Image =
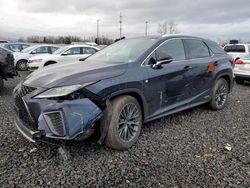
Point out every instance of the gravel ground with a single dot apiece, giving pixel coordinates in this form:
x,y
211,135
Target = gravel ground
x,y
197,147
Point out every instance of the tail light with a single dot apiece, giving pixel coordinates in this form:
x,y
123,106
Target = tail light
x,y
239,62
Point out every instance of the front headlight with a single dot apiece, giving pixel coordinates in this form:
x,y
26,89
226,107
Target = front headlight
x,y
61,91
35,61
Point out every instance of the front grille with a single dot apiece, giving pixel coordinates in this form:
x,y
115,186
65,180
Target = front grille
x,y
55,122
23,112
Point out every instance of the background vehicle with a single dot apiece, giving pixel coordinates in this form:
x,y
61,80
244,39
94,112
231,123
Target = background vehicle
x,y
238,51
21,58
7,69
242,70
122,86
15,47
67,54
4,41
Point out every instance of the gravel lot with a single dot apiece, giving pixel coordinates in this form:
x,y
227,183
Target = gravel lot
x,y
197,147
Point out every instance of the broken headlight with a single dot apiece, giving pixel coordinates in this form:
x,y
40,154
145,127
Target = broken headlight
x,y
61,91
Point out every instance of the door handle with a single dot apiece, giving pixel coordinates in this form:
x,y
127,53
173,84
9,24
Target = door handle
x,y
187,68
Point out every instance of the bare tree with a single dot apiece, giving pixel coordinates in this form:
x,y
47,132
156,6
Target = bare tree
x,y
167,27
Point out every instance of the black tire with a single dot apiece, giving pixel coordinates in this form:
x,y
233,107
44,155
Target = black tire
x,y
1,84
22,65
123,135
219,94
239,80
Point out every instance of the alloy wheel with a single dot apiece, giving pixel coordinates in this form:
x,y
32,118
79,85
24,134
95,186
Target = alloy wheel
x,y
221,94
128,122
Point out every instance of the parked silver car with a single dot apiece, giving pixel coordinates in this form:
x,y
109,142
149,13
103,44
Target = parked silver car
x,y
242,70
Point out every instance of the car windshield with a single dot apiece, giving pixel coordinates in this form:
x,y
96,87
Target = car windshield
x,y
29,49
61,50
124,51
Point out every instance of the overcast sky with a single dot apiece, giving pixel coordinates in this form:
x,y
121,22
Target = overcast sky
x,y
214,19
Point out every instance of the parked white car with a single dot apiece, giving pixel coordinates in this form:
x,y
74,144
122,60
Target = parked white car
x,y
66,54
242,70
21,58
238,51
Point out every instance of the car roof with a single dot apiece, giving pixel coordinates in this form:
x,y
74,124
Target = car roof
x,y
6,49
237,44
81,45
170,36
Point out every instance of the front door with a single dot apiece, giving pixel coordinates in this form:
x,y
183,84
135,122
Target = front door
x,y
167,87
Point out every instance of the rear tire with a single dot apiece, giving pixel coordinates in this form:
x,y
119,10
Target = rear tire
x,y
1,84
239,80
22,65
125,124
219,94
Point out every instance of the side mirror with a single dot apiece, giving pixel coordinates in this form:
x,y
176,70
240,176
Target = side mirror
x,y
33,52
64,54
162,58
83,59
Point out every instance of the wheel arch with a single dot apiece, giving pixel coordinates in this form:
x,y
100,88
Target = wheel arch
x,y
228,78
22,60
137,94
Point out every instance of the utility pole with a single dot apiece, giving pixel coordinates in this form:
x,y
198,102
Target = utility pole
x,y
97,32
146,32
120,25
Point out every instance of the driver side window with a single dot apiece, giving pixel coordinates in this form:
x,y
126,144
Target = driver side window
x,y
173,48
41,50
73,51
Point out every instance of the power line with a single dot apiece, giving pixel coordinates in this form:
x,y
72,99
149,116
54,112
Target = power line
x,y
120,25
146,31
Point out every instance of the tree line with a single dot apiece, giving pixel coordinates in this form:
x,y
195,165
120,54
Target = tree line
x,y
65,39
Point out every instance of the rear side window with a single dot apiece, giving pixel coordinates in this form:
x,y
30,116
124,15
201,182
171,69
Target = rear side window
x,y
214,47
196,49
235,48
173,48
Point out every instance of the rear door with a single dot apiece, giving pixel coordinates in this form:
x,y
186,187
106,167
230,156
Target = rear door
x,y
72,55
199,58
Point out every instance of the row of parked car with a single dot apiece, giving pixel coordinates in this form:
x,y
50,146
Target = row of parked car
x,y
28,56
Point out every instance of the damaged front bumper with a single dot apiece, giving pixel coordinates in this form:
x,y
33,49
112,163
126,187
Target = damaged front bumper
x,y
41,119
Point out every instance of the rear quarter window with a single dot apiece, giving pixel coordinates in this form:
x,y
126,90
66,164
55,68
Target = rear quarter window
x,y
214,47
196,48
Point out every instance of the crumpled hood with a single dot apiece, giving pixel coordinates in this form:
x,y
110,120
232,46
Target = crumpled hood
x,y
73,73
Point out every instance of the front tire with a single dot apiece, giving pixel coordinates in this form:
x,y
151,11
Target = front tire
x,y
219,94
22,65
125,124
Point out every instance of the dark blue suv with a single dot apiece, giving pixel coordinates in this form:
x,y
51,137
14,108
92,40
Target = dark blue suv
x,y
116,90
